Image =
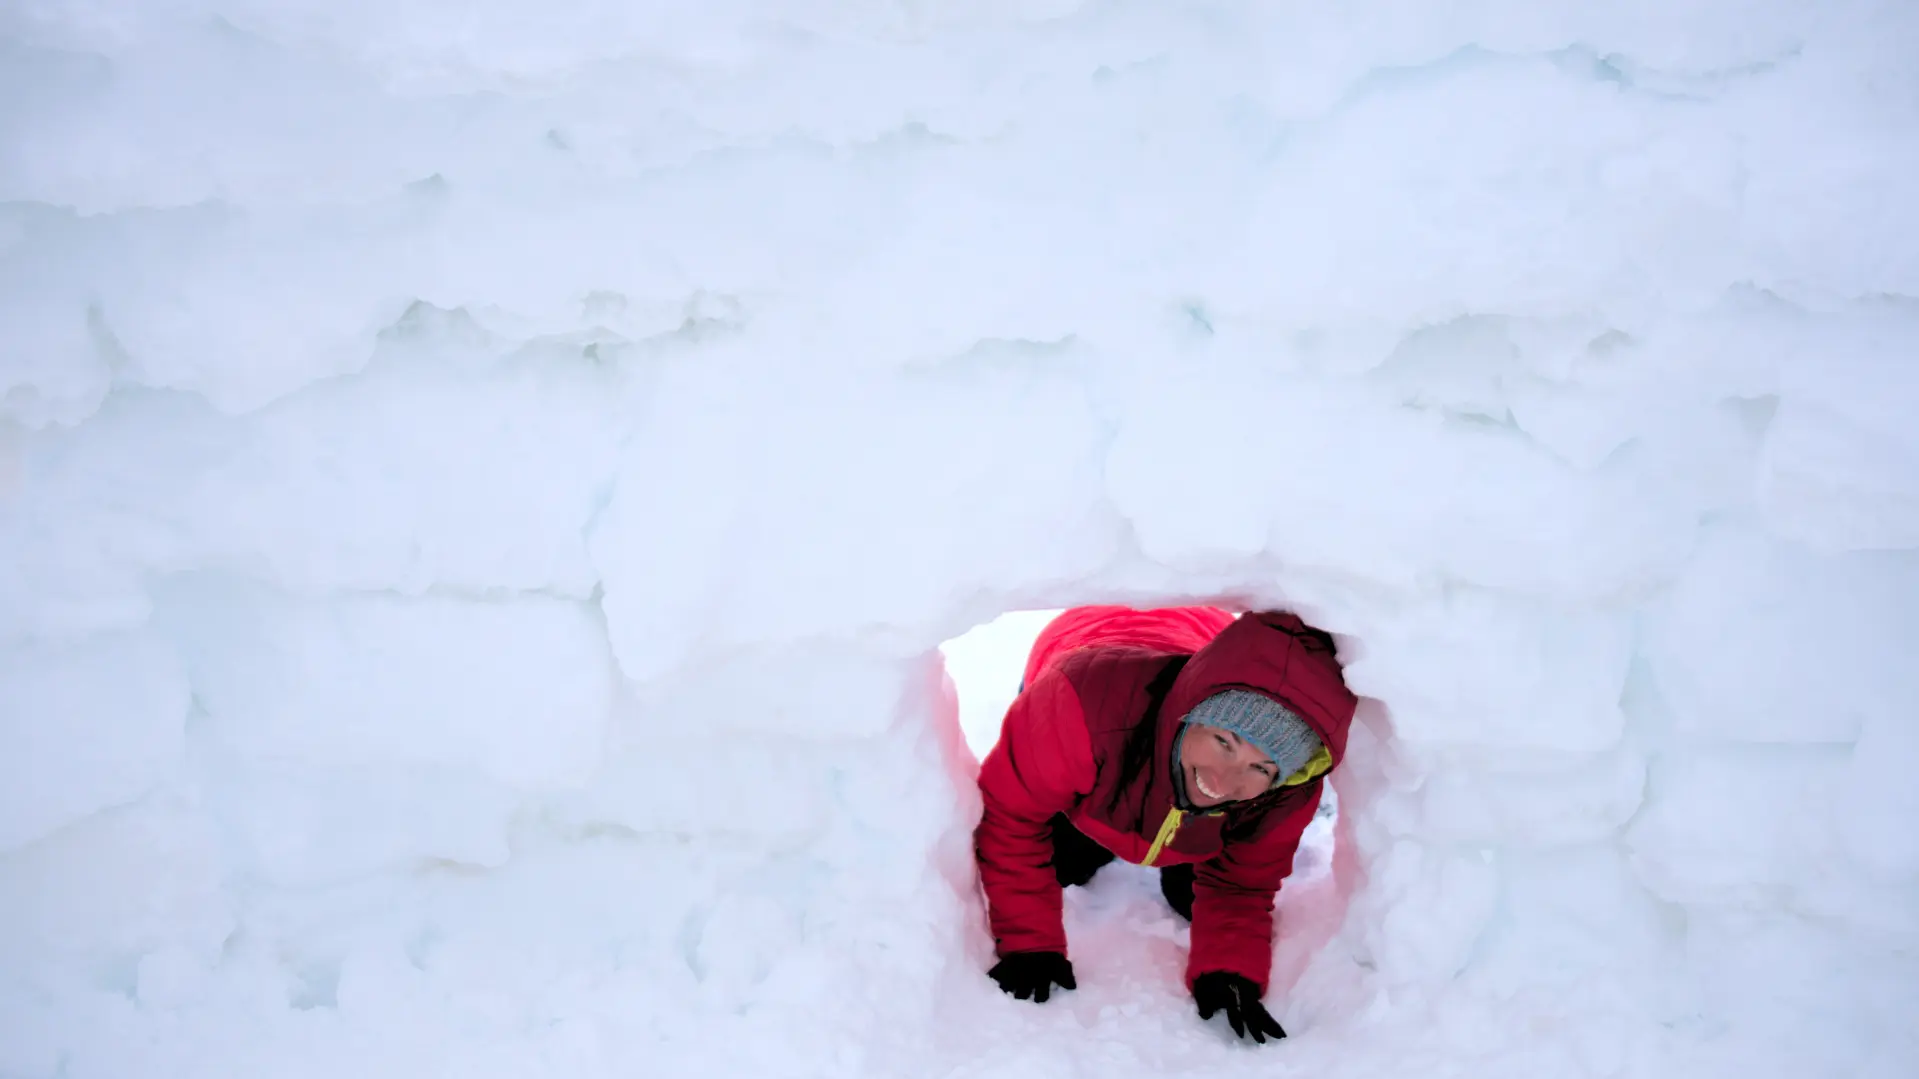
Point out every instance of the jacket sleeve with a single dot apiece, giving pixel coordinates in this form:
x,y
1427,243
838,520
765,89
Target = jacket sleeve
x,y
1233,899
1042,765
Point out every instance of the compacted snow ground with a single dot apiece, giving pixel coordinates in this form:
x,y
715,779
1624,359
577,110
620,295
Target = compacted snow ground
x,y
483,485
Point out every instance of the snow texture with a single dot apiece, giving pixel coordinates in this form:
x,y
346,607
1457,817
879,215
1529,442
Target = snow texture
x,y
482,486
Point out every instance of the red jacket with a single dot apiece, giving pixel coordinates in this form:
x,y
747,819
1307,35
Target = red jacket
x,y
1063,749
1182,630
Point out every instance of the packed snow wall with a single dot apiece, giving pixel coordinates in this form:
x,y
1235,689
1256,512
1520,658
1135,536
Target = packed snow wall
x,y
481,486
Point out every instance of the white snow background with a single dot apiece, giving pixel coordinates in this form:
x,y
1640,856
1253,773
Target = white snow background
x,y
483,485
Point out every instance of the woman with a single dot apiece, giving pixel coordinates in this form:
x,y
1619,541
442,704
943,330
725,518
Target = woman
x,y
1178,738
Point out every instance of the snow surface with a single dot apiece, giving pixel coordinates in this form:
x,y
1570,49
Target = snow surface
x,y
482,486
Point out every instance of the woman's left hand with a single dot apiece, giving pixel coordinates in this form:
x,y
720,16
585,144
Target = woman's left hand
x,y
1032,975
1238,997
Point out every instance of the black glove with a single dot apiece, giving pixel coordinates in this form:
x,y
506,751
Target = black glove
x,y
1238,997
1032,974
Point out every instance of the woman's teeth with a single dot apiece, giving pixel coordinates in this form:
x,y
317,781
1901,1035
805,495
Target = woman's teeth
x,y
1200,782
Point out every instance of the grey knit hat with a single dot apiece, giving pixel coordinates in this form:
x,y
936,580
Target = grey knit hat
x,y
1269,725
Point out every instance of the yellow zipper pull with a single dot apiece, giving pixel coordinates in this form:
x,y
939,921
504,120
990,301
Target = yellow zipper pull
x,y
1167,829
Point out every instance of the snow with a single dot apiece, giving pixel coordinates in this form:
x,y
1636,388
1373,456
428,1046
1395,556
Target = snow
x,y
484,486
84,727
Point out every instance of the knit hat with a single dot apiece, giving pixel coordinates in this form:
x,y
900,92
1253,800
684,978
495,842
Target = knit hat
x,y
1268,725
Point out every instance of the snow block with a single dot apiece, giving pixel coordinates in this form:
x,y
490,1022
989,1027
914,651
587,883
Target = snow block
x,y
1424,909
669,787
785,692
1878,802
1570,914
1849,997
1761,641
1749,824
306,825
860,482
1840,469
1323,474
96,507
443,467
57,373
1507,677
1460,801
115,886
85,726
517,690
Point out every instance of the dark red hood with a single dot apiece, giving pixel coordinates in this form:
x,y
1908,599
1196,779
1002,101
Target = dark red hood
x,y
1274,654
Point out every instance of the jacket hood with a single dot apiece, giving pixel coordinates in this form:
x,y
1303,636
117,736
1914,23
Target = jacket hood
x,y
1273,654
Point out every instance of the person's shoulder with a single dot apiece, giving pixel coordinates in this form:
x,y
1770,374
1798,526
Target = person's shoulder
x,y
1118,662
1111,682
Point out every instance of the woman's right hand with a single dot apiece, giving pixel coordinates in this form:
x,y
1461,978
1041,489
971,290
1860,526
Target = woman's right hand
x,y
1237,996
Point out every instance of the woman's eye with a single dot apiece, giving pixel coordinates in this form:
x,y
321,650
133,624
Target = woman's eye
x,y
1220,738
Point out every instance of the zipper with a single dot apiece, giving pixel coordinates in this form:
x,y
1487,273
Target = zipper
x,y
1167,829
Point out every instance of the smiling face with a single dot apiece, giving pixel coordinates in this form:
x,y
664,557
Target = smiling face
x,y
1222,767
